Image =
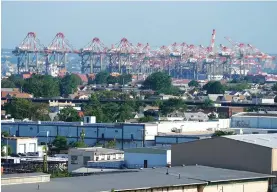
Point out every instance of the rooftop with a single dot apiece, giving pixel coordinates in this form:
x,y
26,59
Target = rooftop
x,y
266,140
98,149
142,179
151,150
15,138
259,114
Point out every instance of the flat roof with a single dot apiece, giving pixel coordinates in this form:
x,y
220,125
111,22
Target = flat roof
x,y
15,138
266,140
142,179
97,149
254,114
151,150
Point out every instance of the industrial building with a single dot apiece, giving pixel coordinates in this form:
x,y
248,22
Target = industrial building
x,y
21,144
254,152
147,157
166,139
81,157
126,135
182,179
260,120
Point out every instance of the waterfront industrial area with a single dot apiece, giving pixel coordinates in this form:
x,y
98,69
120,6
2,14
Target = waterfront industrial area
x,y
184,101
179,60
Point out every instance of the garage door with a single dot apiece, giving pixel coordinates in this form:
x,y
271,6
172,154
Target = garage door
x,y
22,148
32,147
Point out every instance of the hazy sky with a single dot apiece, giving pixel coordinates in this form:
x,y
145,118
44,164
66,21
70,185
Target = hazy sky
x,y
159,23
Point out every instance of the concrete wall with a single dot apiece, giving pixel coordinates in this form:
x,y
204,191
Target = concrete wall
x,y
224,153
254,186
251,186
26,179
153,160
170,188
274,160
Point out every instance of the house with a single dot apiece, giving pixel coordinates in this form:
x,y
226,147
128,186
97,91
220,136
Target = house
x,y
255,86
79,157
199,116
213,97
19,95
82,96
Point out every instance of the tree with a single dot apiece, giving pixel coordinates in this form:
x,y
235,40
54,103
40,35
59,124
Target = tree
x,y
112,79
274,87
157,81
9,148
172,105
111,144
146,119
80,143
125,112
238,87
93,108
69,114
5,83
40,111
69,84
111,112
22,108
5,134
214,87
41,86
101,77
222,133
208,103
125,78
60,142
193,83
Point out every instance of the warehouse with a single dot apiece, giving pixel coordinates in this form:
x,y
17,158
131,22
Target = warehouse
x,y
255,152
147,157
260,120
127,135
188,178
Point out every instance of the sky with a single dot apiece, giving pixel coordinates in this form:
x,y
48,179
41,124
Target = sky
x,y
156,23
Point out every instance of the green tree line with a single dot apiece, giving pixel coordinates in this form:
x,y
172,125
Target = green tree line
x,y
44,85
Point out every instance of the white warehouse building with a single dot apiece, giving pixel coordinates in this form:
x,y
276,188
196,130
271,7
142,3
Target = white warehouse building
x,y
147,157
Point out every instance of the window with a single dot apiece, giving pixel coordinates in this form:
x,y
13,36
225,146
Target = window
x,y
74,159
103,135
97,159
86,159
108,157
132,136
